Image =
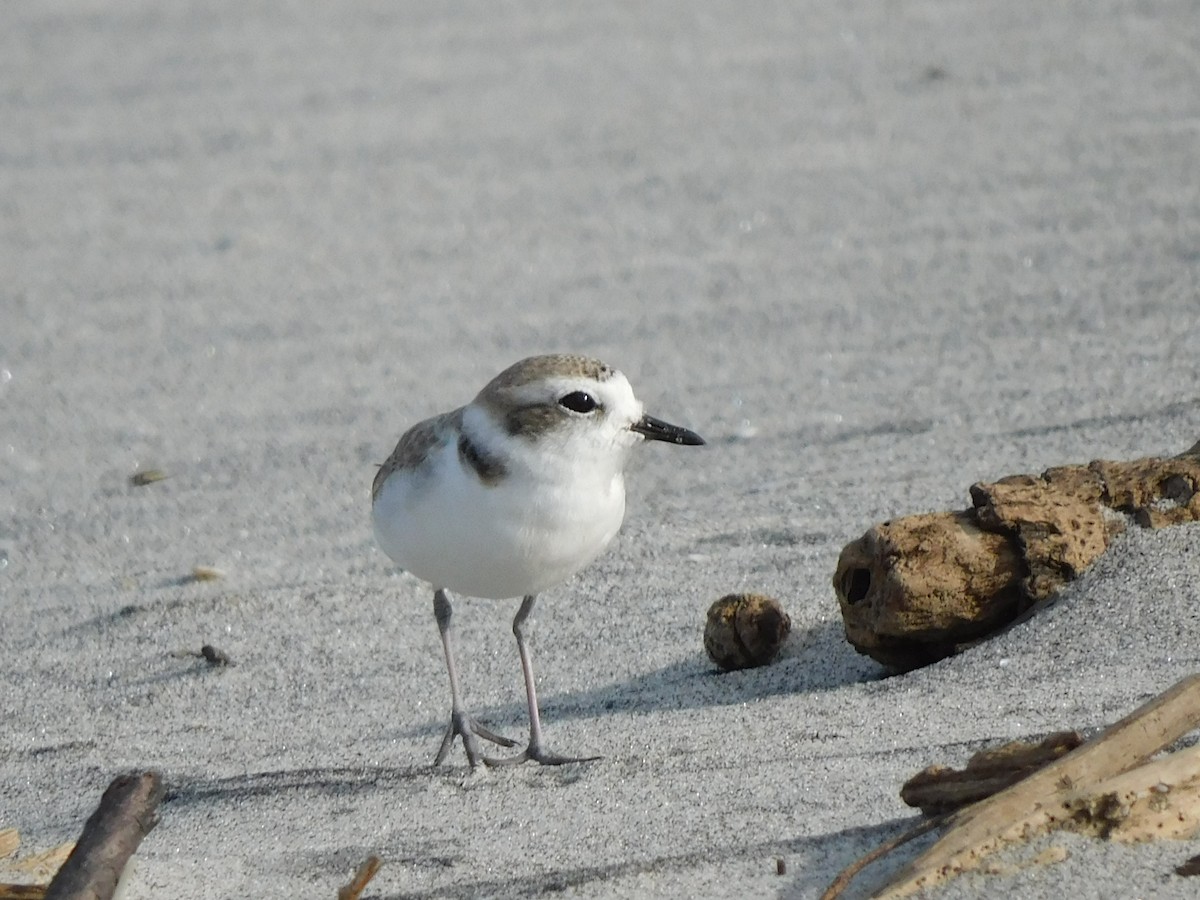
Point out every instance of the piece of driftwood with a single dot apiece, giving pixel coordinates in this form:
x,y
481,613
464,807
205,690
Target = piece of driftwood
x,y
10,840
22,891
1160,799
1106,787
838,886
40,866
917,589
940,789
1190,868
361,879
127,812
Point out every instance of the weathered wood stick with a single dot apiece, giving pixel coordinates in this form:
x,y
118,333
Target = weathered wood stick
x,y
126,813
22,891
939,789
1043,800
1160,799
838,886
362,877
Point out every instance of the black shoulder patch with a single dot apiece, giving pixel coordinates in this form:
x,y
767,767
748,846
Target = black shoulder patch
x,y
490,469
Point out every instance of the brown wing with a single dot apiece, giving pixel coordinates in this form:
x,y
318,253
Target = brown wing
x,y
414,446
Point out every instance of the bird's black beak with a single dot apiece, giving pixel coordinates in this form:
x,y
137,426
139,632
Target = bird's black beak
x,y
657,430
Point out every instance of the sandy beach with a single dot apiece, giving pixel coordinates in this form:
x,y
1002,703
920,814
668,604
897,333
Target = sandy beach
x,y
873,253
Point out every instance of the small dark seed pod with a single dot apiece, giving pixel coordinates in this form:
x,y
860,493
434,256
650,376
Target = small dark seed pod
x,y
215,657
745,630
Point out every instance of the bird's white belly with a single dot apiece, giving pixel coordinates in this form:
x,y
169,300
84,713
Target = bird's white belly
x,y
500,541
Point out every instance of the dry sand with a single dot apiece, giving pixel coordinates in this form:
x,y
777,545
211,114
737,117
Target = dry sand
x,y
873,252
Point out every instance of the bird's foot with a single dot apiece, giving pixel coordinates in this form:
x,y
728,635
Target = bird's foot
x,y
464,725
535,752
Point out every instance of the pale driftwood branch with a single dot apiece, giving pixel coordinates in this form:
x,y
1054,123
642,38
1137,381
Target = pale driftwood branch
x,y
41,866
940,790
10,840
126,813
1049,798
1157,800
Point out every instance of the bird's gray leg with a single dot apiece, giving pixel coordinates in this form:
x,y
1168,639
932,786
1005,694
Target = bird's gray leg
x,y
460,720
536,750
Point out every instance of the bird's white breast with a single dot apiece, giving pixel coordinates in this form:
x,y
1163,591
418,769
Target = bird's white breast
x,y
546,518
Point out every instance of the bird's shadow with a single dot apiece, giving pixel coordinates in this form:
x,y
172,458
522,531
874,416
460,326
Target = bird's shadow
x,y
818,660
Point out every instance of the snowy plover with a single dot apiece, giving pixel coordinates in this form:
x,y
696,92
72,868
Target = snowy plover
x,y
509,495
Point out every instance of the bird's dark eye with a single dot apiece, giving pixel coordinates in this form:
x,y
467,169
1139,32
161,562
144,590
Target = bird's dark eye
x,y
578,401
